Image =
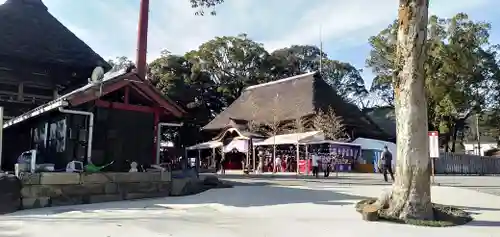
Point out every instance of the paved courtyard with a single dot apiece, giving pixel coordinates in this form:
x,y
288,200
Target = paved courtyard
x,y
484,184
256,207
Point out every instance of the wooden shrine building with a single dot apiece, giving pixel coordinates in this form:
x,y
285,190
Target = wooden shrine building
x,y
114,120
297,97
39,57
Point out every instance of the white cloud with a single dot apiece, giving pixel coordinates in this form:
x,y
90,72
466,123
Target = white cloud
x,y
352,22
110,26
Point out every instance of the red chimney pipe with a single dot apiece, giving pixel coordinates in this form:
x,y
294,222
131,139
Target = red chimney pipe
x,y
142,39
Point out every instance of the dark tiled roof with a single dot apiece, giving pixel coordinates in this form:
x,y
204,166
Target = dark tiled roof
x,y
292,98
29,32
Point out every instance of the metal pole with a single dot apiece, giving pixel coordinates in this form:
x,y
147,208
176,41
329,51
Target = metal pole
x,y
478,135
248,156
212,160
254,162
1,135
297,159
158,137
197,164
307,161
433,173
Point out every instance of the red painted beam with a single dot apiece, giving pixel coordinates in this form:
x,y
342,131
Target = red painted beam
x,y
123,106
91,94
159,99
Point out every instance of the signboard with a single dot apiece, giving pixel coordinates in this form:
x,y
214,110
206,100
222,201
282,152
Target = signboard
x,y
433,144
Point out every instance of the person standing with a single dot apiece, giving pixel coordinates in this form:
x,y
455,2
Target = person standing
x,y
277,165
385,163
315,165
223,164
326,166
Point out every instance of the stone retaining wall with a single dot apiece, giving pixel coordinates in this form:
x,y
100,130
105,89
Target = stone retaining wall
x,y
56,189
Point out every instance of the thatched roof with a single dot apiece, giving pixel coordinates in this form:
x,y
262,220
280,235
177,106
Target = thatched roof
x,y
30,33
293,98
384,117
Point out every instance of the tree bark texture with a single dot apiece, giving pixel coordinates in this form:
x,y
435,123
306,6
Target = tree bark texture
x,y
411,194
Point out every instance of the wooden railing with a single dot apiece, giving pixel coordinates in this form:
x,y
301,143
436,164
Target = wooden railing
x,y
463,164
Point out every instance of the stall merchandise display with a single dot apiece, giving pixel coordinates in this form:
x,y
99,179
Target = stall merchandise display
x,y
340,157
287,157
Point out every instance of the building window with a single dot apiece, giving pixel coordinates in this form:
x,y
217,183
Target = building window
x,y
57,135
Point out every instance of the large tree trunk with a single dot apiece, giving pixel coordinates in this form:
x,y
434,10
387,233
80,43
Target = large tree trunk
x,y
411,194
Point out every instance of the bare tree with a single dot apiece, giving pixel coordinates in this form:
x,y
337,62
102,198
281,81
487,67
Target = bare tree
x,y
253,126
330,124
411,195
273,127
299,125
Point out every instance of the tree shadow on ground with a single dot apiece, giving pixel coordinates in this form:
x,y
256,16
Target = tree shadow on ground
x,y
481,223
293,176
239,196
477,208
335,203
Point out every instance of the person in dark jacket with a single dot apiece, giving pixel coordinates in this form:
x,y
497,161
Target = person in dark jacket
x,y
385,163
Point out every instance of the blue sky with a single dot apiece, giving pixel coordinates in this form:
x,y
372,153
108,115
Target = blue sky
x,y
109,26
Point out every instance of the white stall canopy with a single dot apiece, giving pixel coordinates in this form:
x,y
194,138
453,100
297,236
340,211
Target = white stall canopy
x,y
205,145
312,142
292,138
238,144
372,144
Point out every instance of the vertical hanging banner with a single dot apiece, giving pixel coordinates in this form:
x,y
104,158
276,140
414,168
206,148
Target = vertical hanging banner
x,y
433,144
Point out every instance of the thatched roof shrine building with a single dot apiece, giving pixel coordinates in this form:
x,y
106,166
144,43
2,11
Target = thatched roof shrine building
x,y
295,97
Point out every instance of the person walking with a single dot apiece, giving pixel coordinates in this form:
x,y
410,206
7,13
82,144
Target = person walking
x,y
315,165
385,163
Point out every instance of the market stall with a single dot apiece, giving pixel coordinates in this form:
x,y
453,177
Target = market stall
x,y
205,145
371,151
235,153
283,146
203,162
341,155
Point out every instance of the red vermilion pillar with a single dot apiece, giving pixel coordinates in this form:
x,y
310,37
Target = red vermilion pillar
x,y
142,39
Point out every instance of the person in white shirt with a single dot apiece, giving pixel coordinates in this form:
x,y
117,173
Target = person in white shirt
x,y
315,165
277,164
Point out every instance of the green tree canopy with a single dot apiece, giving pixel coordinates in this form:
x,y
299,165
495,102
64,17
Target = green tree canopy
x,y
462,72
